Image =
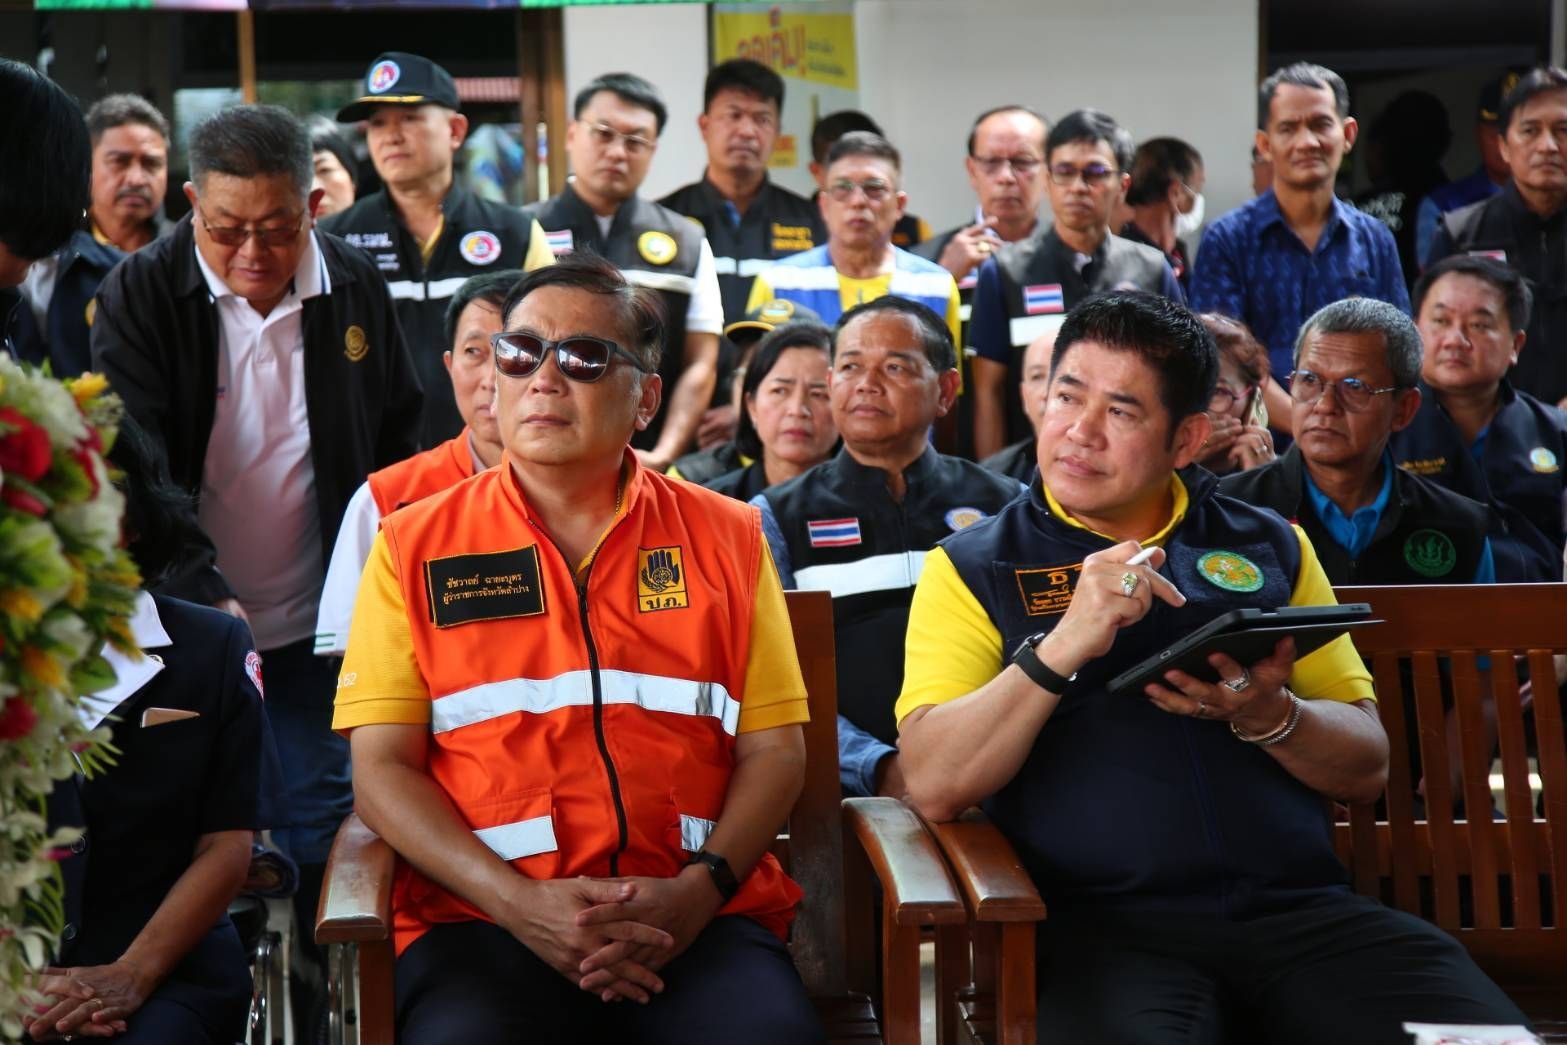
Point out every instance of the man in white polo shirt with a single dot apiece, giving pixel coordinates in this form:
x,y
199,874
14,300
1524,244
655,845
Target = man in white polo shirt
x,y
266,358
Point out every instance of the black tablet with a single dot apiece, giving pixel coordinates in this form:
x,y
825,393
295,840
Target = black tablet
x,y
1246,636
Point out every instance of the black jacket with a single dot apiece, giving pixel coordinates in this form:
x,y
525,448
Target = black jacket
x,y
1537,249
1017,460
65,343
156,339
1427,535
477,236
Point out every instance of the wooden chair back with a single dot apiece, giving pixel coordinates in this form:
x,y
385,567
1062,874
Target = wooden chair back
x,y
1498,885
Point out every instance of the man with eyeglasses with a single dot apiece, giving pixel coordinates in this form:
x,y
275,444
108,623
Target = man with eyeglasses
x,y
750,221
426,232
575,712
859,263
1355,383
1026,289
611,142
265,357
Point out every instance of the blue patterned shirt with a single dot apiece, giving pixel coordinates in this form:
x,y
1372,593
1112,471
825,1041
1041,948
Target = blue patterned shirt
x,y
1250,265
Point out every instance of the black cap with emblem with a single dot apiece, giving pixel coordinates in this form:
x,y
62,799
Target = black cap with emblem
x,y
398,78
764,318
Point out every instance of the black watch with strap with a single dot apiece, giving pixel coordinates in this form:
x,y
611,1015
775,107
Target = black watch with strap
x,y
723,878
1026,656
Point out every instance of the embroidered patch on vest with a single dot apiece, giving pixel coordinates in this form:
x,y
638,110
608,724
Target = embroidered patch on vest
x,y
1047,591
1494,255
355,344
1043,298
560,242
833,533
479,247
1230,571
963,518
661,580
481,586
656,248
792,239
1542,460
253,671
1430,553
1424,465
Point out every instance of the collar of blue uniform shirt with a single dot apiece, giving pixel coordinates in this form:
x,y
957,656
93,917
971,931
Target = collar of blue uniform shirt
x,y
1354,533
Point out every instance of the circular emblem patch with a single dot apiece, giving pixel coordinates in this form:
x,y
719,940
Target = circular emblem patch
x,y
777,310
90,313
479,248
1430,553
355,344
657,248
963,518
253,670
1542,460
383,77
1231,571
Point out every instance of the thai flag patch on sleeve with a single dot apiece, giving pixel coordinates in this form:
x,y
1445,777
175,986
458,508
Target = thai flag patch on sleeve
x,y
559,242
1042,298
833,533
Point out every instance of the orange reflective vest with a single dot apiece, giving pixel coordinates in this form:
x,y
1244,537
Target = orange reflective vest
x,y
582,730
417,477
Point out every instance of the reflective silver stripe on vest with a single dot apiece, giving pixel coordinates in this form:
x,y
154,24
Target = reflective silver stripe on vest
x,y
1028,329
414,290
796,277
575,689
670,281
744,267
875,573
694,831
524,838
922,284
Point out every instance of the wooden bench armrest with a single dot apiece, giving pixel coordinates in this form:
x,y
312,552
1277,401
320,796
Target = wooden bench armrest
x,y
916,886
356,894
995,886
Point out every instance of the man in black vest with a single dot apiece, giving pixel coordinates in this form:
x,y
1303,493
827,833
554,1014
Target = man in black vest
x,y
1474,433
861,524
425,231
610,142
1180,833
1524,225
1026,289
1357,371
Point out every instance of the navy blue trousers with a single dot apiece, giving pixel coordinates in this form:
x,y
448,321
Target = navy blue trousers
x,y
1340,970
472,982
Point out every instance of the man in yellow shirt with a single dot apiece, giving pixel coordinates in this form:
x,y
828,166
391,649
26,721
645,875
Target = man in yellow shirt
x,y
861,203
574,709
1180,836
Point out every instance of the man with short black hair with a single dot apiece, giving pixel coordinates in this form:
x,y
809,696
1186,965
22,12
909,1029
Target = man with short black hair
x,y
1474,433
1180,834
1275,260
426,232
130,140
1026,289
860,524
266,359
611,141
1165,198
1525,225
908,231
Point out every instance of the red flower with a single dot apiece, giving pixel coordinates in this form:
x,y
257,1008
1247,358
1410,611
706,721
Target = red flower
x,y
82,456
17,718
23,501
24,450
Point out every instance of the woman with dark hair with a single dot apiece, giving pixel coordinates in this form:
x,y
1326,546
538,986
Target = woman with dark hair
x,y
148,955
334,165
785,423
1240,438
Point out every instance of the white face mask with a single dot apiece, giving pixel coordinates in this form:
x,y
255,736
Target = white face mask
x,y
1191,221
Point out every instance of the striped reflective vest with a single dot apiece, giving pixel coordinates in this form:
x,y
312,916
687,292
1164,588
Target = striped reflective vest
x,y
810,279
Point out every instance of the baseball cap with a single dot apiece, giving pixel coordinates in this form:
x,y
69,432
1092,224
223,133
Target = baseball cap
x,y
398,78
1491,96
769,315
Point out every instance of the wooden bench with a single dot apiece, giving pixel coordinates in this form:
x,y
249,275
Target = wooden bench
x,y
838,851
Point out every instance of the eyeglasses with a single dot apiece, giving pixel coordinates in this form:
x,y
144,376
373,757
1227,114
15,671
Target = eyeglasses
x,y
1022,166
1353,393
1093,175
876,190
604,136
581,358
1224,396
235,236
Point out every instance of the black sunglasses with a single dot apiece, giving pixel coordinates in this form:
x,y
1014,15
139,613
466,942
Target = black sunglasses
x,y
579,357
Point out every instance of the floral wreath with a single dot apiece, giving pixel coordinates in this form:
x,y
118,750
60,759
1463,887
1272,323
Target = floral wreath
x,y
67,588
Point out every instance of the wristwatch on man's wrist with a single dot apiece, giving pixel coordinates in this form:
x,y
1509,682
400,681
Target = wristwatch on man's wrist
x,y
1026,656
723,878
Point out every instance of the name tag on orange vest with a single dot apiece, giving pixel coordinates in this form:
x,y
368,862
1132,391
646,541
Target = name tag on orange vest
x,y
484,586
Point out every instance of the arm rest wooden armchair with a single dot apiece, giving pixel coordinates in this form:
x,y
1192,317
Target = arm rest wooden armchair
x,y
985,968
834,849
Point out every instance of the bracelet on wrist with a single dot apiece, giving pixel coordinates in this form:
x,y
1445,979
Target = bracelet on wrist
x,y
1280,733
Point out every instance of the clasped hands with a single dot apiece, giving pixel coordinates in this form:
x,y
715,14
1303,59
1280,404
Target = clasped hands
x,y
1111,595
611,936
86,1002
